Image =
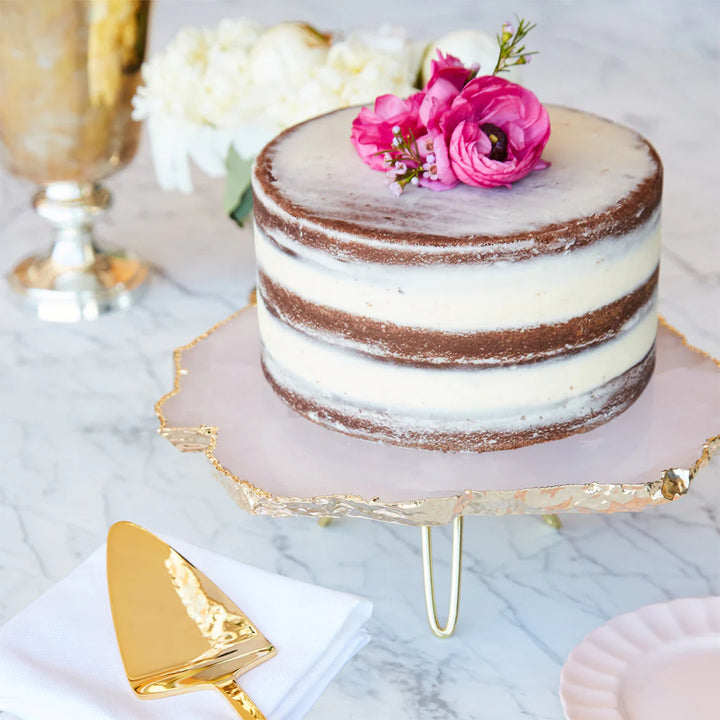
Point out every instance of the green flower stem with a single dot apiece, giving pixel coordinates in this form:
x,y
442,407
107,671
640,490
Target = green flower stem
x,y
512,53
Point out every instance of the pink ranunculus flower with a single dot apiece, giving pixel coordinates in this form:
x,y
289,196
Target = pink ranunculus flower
x,y
445,61
372,131
449,77
484,131
494,132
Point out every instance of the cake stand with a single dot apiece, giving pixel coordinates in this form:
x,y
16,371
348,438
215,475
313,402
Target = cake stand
x,y
274,462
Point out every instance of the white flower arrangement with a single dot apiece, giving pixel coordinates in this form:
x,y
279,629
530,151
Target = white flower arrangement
x,y
238,85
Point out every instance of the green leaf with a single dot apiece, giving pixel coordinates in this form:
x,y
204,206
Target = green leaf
x,y
244,207
238,194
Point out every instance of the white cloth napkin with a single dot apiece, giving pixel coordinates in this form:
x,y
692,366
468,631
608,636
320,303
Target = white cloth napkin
x,y
59,658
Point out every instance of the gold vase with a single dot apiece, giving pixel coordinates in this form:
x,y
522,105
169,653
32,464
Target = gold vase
x,y
68,73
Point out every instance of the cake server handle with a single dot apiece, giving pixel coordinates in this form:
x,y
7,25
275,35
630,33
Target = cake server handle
x,y
238,698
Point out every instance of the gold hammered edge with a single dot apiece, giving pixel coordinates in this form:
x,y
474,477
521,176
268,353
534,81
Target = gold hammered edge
x,y
551,499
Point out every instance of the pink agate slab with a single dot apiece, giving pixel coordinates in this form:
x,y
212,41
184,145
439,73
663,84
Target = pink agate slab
x,y
275,462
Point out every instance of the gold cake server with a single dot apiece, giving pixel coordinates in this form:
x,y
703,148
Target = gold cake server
x,y
177,631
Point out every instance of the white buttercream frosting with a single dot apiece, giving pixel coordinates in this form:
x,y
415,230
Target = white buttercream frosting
x,y
319,370
468,297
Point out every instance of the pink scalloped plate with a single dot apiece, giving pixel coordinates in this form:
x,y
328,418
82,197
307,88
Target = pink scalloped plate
x,y
661,662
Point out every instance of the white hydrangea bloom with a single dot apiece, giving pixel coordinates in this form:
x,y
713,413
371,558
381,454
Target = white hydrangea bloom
x,y
240,84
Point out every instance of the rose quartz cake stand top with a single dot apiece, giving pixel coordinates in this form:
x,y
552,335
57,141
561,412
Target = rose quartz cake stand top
x,y
275,462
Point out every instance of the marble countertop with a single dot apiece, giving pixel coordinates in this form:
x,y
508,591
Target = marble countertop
x,y
78,442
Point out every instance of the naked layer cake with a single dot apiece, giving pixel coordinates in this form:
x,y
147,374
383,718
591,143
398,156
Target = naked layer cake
x,y
472,319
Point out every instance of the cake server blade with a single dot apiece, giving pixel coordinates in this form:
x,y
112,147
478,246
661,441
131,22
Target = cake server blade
x,y
177,631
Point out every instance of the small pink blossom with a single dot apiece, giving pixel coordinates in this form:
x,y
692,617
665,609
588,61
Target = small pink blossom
x,y
443,177
395,188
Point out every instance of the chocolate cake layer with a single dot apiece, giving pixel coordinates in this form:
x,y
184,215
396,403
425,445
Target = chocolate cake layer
x,y
421,347
620,393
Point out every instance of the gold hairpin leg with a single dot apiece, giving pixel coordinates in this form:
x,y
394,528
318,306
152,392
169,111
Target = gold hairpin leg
x,y
447,631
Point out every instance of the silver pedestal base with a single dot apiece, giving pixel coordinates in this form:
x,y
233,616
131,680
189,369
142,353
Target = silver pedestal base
x,y
113,282
77,280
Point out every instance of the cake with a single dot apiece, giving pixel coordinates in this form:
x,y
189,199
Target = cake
x,y
468,320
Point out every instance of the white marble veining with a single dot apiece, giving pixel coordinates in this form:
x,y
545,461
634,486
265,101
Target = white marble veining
x,y
78,448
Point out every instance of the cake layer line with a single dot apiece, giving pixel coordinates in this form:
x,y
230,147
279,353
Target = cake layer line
x,y
469,297
450,392
346,247
434,348
615,397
